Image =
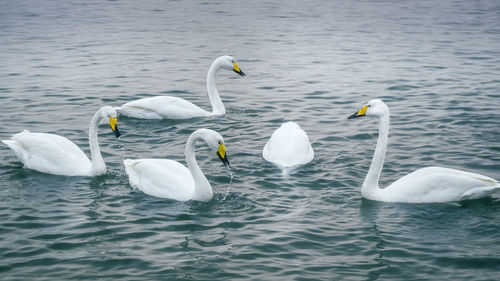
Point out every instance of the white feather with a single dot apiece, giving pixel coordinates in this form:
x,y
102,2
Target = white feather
x,y
288,146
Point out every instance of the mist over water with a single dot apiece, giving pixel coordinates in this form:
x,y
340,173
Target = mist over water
x,y
436,64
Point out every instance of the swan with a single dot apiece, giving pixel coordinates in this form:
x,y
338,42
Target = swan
x,y
426,185
54,154
170,179
288,146
166,107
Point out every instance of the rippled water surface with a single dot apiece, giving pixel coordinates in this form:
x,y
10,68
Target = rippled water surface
x,y
435,63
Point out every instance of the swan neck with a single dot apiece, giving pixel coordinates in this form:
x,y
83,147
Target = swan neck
x,y
98,166
203,190
213,94
370,185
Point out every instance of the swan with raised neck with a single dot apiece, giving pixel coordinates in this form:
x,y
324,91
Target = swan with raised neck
x,y
54,154
98,167
168,107
170,179
427,185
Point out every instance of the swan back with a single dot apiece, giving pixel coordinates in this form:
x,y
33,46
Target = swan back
x,y
49,153
438,184
162,107
161,178
288,146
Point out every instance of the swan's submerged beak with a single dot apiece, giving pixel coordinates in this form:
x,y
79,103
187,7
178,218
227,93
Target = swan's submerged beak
x,y
360,113
114,126
237,69
221,152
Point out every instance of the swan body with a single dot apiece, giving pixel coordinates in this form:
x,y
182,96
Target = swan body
x,y
162,107
427,185
166,107
170,179
54,154
437,184
161,178
288,146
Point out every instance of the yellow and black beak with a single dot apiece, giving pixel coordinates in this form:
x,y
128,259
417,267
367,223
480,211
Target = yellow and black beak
x,y
114,126
360,113
237,69
221,152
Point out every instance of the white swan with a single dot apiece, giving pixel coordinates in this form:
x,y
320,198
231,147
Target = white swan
x,y
166,107
427,185
170,179
57,155
288,146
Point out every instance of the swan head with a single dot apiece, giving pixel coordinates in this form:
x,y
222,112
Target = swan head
x,y
109,113
228,63
375,107
216,143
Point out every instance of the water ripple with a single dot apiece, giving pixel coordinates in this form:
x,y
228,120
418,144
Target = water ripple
x,y
314,63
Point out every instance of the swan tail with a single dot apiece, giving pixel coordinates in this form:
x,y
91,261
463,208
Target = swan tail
x,y
10,143
132,174
487,180
16,147
479,192
130,163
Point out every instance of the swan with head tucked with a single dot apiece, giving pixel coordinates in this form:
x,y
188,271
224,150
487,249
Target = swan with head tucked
x,y
288,146
54,154
427,185
170,179
167,107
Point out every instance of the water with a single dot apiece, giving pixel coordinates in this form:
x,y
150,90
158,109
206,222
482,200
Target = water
x,y
435,63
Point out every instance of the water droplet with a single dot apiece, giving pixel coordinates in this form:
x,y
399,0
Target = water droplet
x,y
230,182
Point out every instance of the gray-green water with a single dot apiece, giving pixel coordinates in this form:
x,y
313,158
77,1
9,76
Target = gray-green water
x,y
435,63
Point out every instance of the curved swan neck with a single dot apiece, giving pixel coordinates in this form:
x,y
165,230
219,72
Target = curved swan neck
x,y
213,94
370,185
203,190
98,167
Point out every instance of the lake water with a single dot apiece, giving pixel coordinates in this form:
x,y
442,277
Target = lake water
x,y
435,63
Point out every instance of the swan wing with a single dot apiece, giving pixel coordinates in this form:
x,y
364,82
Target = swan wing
x,y
160,178
49,153
162,107
437,184
288,146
